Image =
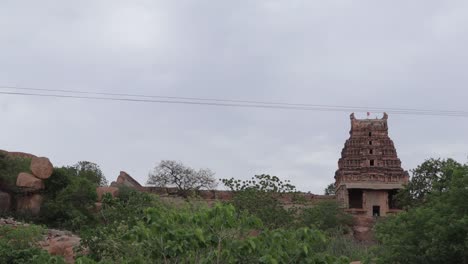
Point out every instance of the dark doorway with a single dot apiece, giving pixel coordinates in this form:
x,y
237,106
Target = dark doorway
x,y
376,210
392,201
355,198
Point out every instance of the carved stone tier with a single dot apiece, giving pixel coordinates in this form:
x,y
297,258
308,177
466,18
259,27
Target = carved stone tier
x,y
369,165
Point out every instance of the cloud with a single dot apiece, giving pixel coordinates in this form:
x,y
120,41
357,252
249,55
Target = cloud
x,y
400,55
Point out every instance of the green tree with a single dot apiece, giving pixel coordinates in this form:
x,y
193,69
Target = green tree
x,y
330,190
187,180
435,231
261,196
432,176
327,216
90,171
69,200
9,169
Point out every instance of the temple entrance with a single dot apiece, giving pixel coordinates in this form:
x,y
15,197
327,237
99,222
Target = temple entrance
x,y
355,198
376,210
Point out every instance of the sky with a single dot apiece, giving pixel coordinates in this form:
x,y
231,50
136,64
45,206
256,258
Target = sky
x,y
389,54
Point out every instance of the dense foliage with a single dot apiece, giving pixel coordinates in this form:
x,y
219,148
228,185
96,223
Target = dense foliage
x,y
18,245
327,216
435,227
261,196
330,190
193,234
432,176
69,199
255,227
9,169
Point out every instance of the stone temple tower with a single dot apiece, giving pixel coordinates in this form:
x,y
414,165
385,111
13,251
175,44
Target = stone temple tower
x,y
369,171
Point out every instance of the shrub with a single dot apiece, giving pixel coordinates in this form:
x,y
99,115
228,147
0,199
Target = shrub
x,y
260,196
9,170
327,216
18,245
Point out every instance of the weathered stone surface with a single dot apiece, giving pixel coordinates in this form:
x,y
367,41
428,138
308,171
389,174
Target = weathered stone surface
x,y
62,245
41,167
17,154
5,202
369,170
114,191
125,179
224,195
207,194
26,180
29,204
56,242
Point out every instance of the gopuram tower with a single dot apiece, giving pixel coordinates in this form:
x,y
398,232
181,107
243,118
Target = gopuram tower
x,y
369,171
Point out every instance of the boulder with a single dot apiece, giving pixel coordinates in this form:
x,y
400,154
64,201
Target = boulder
x,y
26,180
29,204
5,202
22,155
114,191
63,246
60,243
41,167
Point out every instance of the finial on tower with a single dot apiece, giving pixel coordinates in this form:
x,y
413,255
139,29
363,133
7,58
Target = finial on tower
x,y
385,116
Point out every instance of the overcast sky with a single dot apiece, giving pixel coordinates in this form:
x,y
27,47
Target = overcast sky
x,y
394,54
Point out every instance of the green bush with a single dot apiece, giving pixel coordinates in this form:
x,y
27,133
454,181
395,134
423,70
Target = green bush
x,y
435,231
69,201
260,197
18,245
204,235
327,216
9,170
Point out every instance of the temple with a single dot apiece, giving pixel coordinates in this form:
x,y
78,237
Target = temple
x,y
369,171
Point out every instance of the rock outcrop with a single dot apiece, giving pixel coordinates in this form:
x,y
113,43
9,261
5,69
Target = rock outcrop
x,y
61,243
26,180
125,179
29,184
5,202
56,242
114,191
16,154
29,204
41,167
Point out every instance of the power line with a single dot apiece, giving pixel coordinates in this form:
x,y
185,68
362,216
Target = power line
x,y
321,108
236,102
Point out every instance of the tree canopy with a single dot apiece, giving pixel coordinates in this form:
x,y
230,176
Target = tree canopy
x,y
170,173
435,227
